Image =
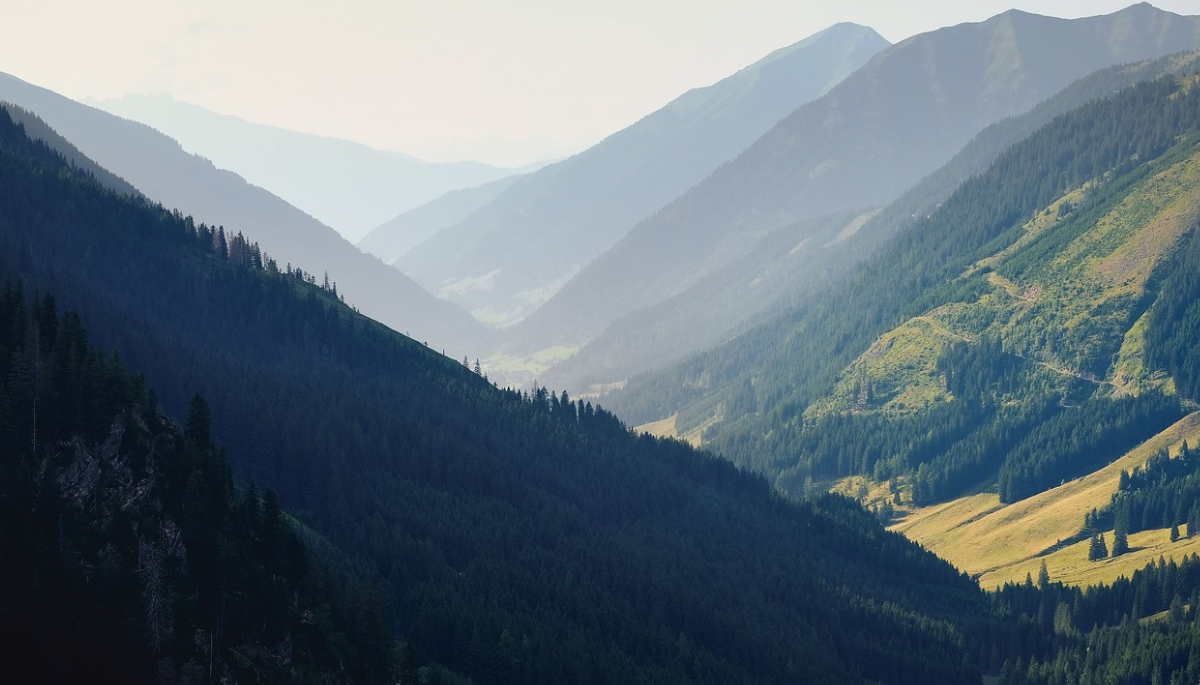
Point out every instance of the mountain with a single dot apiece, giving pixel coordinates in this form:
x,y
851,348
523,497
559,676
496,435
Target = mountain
x,y
795,263
129,554
860,146
348,186
392,239
159,168
498,536
37,129
507,258
1017,335
508,536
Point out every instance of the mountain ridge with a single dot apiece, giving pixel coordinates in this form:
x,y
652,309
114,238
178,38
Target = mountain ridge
x,y
861,145
505,259
346,185
159,168
1007,311
510,535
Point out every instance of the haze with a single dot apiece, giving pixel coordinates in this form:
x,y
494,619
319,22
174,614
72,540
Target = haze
x,y
507,83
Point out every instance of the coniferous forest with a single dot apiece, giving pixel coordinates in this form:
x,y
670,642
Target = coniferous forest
x,y
214,469
509,536
130,555
764,381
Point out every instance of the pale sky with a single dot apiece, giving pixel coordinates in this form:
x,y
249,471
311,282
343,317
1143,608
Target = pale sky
x,y
505,81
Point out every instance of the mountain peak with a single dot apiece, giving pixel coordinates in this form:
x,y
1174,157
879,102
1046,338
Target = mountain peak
x,y
507,258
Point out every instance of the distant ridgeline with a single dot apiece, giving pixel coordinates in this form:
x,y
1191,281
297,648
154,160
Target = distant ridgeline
x,y
1033,328
503,536
511,536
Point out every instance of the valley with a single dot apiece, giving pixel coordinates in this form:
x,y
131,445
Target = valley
x,y
870,363
998,543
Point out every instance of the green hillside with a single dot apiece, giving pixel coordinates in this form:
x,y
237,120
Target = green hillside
x,y
1012,382
796,263
511,536
899,118
500,536
1003,335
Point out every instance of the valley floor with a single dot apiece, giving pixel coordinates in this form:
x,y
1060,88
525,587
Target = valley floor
x,y
999,543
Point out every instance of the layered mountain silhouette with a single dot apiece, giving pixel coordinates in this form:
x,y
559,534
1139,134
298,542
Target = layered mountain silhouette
x,y
863,144
502,535
507,258
158,167
776,275
1029,330
346,185
393,239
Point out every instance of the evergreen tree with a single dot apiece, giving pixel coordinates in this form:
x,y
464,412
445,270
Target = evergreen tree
x,y
1120,540
1098,549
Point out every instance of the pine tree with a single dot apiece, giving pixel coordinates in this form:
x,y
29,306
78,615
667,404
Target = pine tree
x,y
1097,550
1120,541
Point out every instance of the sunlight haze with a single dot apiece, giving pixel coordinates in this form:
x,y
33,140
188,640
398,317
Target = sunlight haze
x,y
507,83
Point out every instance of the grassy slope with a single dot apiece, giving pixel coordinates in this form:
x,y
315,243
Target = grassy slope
x,y
1105,269
1098,276
1001,543
1068,313
666,428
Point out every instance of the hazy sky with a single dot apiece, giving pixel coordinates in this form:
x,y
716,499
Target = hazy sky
x,y
506,81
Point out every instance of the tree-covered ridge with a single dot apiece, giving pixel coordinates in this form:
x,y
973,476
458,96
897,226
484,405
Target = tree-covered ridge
x,y
1174,323
129,556
1140,630
774,276
1165,493
1049,255
513,536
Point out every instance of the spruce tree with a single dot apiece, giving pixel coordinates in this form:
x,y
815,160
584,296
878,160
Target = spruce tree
x,y
1120,541
1097,550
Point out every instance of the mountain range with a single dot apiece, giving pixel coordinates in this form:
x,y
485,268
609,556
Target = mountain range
x,y
899,118
507,535
348,186
1029,331
506,258
395,237
775,276
213,466
159,168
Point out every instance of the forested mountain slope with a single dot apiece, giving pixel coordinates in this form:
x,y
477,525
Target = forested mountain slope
x,y
345,185
159,168
507,258
505,537
129,555
900,117
1012,333
775,275
513,537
